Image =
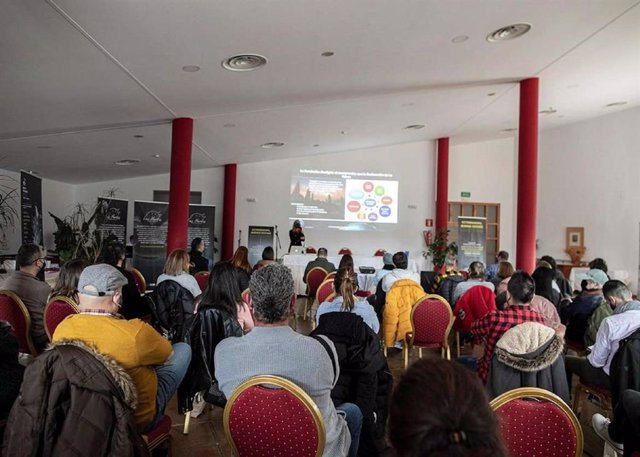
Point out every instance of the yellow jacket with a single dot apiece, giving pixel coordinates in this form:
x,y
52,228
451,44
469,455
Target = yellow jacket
x,y
397,310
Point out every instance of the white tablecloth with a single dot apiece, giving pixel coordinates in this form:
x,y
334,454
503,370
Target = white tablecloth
x,y
578,274
298,263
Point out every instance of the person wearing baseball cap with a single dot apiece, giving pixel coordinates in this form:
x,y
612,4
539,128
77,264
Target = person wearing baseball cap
x,y
155,367
576,315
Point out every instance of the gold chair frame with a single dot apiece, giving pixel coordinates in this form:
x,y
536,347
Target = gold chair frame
x,y
281,383
62,298
27,318
445,351
308,304
140,276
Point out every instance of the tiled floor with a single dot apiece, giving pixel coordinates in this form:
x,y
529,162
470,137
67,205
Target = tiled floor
x,y
206,434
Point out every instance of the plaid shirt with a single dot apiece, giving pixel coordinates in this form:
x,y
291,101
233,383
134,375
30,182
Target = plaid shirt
x,y
492,326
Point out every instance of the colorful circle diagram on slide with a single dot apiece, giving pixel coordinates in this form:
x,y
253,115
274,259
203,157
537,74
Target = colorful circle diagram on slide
x,y
371,201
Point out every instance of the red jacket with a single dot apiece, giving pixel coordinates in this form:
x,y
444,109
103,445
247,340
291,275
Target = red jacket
x,y
476,303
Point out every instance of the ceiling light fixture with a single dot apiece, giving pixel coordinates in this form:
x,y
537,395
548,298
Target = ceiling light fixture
x,y
316,145
191,68
272,144
611,105
414,127
328,54
459,39
138,136
229,125
244,62
508,32
125,162
33,172
491,94
44,147
509,130
548,111
156,156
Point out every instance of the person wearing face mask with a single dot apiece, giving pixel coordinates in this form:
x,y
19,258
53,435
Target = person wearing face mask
x,y
155,366
34,293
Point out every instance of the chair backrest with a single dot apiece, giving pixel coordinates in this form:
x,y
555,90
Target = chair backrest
x,y
345,251
311,250
15,312
379,253
431,320
141,283
202,278
315,277
56,310
535,422
280,419
324,290
331,275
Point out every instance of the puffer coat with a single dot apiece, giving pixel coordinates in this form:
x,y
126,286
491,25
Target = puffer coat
x,y
397,310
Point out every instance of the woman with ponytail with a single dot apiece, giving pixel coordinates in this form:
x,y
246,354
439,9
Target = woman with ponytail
x,y
345,285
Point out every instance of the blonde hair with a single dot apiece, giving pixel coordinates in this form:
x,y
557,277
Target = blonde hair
x,y
240,259
177,263
345,285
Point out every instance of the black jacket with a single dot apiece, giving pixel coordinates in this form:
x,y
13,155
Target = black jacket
x,y
200,263
576,315
209,327
133,304
74,402
625,367
447,286
11,372
364,379
173,309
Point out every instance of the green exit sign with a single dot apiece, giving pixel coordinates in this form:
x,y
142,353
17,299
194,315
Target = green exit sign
x,y
465,194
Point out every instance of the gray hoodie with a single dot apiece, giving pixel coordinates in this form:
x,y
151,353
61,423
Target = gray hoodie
x,y
633,305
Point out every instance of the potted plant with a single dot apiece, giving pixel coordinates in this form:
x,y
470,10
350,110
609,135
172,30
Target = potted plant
x,y
439,249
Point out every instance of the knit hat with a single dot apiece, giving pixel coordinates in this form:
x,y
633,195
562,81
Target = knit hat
x,y
387,258
597,276
100,280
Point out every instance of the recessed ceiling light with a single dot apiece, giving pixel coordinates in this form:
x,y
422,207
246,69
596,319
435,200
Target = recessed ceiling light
x,y
244,62
138,136
156,156
610,105
229,125
414,127
125,162
343,132
271,145
550,110
316,145
408,104
191,68
491,94
509,32
44,147
509,130
328,54
459,39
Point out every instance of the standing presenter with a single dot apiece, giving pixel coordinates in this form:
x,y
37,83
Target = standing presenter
x,y
296,235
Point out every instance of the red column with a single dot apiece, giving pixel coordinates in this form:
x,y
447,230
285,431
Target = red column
x,y
229,210
179,183
527,176
442,192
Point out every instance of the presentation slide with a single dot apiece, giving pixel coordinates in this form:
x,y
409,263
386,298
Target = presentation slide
x,y
339,196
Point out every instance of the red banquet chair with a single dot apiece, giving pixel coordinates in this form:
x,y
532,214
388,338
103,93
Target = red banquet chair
x,y
159,437
431,320
202,278
379,253
141,283
253,420
311,250
56,310
314,278
325,291
345,251
537,423
13,310
331,276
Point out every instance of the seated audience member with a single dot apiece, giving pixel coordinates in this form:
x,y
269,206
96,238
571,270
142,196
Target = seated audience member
x,y
492,326
67,281
273,348
221,314
346,262
446,283
563,283
476,303
146,356
546,285
476,278
396,318
387,260
623,432
176,268
439,408
576,314
549,313
594,369
33,292
133,305
492,270
505,270
198,262
603,311
346,284
599,264
320,261
268,257
240,261
401,263
11,372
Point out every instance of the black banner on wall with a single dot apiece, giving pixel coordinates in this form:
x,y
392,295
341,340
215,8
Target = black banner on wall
x,y
31,208
150,222
472,238
201,224
115,221
259,238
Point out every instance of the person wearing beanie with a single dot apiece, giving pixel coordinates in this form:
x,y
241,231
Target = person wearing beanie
x,y
387,260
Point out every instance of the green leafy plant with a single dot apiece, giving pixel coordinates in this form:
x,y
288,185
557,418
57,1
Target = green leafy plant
x,y
440,248
8,204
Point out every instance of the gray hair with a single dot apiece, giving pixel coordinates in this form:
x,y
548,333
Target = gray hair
x,y
271,292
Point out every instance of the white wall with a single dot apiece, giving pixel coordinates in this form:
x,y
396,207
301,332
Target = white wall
x,y
411,164
589,175
488,170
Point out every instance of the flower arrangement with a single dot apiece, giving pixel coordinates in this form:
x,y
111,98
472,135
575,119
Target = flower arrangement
x,y
440,248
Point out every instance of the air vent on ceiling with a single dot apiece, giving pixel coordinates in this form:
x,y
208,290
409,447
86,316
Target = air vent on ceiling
x,y
244,62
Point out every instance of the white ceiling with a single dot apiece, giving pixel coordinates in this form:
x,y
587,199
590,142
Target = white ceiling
x,y
83,77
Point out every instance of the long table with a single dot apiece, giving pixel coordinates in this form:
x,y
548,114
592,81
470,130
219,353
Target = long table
x,y
297,263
